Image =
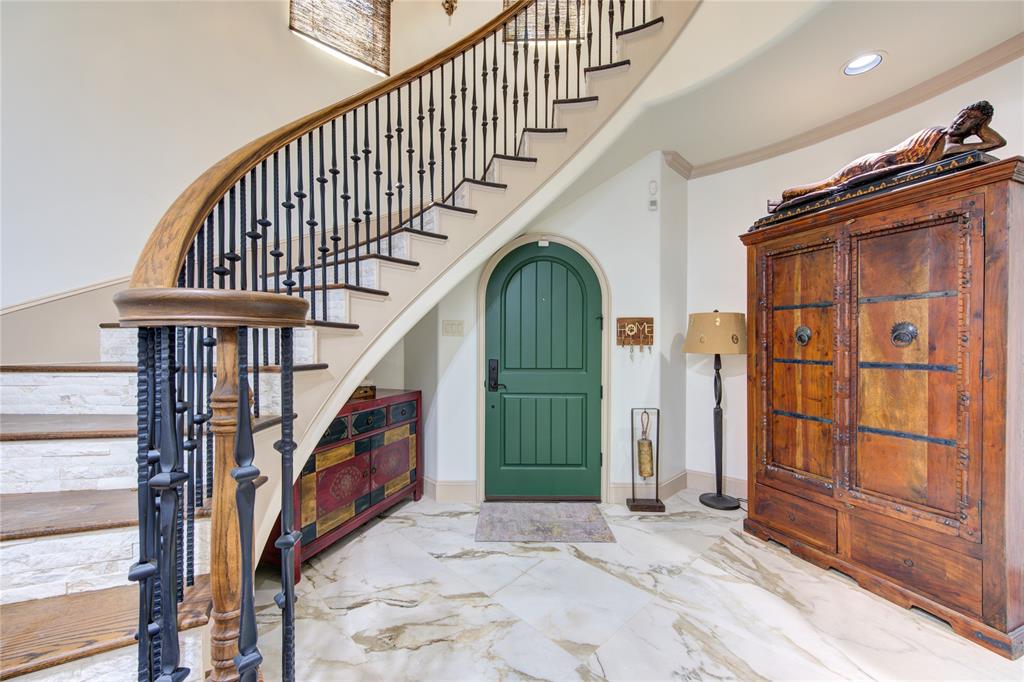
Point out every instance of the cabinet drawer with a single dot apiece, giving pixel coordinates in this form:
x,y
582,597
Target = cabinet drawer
x,y
337,431
804,520
937,572
368,420
403,412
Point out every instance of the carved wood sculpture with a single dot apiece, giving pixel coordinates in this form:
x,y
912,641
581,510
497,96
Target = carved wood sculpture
x,y
924,147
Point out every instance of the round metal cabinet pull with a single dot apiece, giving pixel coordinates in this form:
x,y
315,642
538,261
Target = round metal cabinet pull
x,y
791,516
802,335
909,563
903,334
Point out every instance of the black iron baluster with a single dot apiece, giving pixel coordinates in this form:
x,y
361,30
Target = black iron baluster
x,y
355,189
536,62
547,62
276,251
568,40
367,210
221,270
312,224
287,205
399,185
300,194
454,142
144,571
590,33
335,237
558,65
410,152
179,419
264,224
254,237
345,196
165,483
463,138
504,90
198,416
421,171
579,50
515,83
600,21
494,98
430,126
209,342
242,220
611,31
388,137
441,129
632,12
187,392
245,472
376,163
289,537
322,250
231,256
622,14
474,107
483,121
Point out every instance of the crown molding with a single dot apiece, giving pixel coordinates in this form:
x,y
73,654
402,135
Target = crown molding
x,y
676,162
1003,53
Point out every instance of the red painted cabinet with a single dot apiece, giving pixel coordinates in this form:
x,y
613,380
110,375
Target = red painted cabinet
x,y
369,459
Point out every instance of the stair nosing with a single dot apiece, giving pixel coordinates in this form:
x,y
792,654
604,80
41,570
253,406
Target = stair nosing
x,y
124,368
576,100
260,424
640,27
606,67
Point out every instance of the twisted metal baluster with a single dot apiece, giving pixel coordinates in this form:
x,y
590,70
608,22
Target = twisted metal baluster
x,y
144,571
494,97
301,195
399,184
245,473
410,151
388,137
430,121
178,367
474,106
264,224
611,31
376,163
367,211
345,196
579,50
322,250
558,65
463,138
454,143
568,40
355,188
536,62
165,483
515,83
600,22
290,536
276,252
504,89
590,33
421,172
441,129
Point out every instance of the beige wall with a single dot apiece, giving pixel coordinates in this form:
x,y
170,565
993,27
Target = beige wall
x,y
111,108
724,205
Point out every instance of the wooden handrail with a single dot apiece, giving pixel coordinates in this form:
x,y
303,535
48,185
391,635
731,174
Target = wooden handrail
x,y
164,253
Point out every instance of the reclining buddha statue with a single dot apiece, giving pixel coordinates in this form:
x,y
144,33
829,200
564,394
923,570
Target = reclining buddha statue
x,y
927,146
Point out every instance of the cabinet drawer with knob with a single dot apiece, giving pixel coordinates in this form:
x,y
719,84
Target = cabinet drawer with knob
x,y
928,569
370,420
802,519
403,412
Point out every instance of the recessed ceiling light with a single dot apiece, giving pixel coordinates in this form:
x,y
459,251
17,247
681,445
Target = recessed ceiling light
x,y
862,63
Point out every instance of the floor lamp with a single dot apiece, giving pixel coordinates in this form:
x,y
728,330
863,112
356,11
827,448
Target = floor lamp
x,y
719,334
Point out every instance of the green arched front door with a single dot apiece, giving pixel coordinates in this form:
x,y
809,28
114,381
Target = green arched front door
x,y
543,375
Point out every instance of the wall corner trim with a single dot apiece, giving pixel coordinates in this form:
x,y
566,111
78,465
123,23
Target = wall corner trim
x,y
678,163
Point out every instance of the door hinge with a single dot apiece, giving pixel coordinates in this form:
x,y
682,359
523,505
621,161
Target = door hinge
x,y
600,320
601,458
602,392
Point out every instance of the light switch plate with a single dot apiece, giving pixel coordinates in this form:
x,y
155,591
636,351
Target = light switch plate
x,y
452,328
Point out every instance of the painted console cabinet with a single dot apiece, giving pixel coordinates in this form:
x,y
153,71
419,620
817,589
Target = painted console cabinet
x,y
886,395
369,459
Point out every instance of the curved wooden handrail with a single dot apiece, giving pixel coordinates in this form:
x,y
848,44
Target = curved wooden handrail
x,y
164,253
177,306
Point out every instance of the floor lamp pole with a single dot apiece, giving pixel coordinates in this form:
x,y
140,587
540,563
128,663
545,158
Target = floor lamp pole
x,y
718,500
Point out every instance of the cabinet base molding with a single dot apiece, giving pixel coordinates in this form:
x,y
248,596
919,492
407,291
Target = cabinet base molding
x,y
1010,645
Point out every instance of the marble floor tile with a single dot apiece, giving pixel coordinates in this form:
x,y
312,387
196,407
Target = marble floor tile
x,y
680,595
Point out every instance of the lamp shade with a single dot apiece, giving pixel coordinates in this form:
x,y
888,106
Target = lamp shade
x,y
721,333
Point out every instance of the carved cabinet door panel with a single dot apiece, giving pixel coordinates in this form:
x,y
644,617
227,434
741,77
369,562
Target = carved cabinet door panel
x,y
798,327
914,441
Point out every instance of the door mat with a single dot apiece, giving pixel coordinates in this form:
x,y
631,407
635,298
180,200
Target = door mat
x,y
542,522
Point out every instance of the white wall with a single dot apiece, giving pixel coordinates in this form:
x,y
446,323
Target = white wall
x,y
110,109
724,205
642,255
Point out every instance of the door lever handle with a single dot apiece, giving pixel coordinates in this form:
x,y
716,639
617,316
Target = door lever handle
x,y
492,376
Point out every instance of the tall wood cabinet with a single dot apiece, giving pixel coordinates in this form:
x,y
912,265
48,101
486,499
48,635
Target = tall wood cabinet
x,y
886,395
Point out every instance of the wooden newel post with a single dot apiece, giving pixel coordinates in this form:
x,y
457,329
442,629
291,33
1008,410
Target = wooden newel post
x,y
225,551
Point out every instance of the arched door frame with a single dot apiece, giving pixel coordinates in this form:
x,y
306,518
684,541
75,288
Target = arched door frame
x,y
481,355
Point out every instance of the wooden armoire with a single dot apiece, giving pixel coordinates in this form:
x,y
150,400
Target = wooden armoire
x,y
886,395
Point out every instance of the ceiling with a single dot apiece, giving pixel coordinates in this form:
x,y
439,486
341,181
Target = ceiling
x,y
745,78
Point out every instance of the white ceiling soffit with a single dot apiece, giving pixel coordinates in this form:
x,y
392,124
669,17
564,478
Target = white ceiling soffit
x,y
749,80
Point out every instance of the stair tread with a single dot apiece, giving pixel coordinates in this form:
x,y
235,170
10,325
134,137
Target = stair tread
x,y
331,260
513,157
640,27
545,130
42,633
29,515
576,100
332,325
605,67
22,427
120,367
341,287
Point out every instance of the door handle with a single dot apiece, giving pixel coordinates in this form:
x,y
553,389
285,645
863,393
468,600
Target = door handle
x,y
492,376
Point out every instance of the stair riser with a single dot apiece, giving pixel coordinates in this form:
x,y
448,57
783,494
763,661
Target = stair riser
x,y
533,143
121,345
78,562
122,664
368,275
94,393
337,305
52,465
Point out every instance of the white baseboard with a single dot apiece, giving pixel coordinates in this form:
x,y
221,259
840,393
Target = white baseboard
x,y
450,491
618,493
705,482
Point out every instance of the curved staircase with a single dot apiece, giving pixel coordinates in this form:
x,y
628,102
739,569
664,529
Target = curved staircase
x,y
329,258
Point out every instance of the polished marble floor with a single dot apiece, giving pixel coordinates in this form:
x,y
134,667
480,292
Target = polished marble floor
x,y
681,595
